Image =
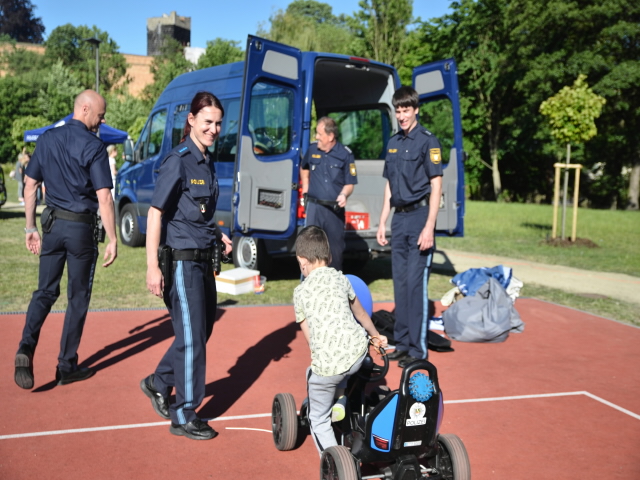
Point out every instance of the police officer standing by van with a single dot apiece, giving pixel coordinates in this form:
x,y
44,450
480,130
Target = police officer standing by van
x,y
328,174
74,164
413,169
181,270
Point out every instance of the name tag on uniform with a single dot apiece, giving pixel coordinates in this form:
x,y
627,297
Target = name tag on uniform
x,y
435,155
315,155
393,150
197,182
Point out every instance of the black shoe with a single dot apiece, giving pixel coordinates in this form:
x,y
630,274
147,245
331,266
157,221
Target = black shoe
x,y
24,367
397,355
159,403
65,378
195,430
406,361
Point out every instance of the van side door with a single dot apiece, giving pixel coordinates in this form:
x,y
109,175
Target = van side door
x,y
437,87
268,150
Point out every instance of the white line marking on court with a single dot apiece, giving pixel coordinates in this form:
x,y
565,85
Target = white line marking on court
x,y
262,415
243,428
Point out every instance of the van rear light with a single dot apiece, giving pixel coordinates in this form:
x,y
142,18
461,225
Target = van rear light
x,y
359,59
301,212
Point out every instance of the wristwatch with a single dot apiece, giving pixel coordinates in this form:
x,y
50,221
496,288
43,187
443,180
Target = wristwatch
x,y
31,230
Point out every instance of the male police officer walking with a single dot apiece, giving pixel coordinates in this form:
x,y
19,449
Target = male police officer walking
x,y
74,164
328,175
413,169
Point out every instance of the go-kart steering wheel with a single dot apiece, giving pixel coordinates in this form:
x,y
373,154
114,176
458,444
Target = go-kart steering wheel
x,y
372,371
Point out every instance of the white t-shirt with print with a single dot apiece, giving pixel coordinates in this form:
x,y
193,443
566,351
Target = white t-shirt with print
x,y
336,340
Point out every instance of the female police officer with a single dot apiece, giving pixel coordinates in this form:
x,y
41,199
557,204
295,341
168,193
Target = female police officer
x,y
181,217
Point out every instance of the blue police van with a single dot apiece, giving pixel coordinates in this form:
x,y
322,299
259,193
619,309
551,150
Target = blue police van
x,y
271,103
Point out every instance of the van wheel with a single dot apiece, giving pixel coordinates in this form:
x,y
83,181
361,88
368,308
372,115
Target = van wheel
x,y
250,253
129,227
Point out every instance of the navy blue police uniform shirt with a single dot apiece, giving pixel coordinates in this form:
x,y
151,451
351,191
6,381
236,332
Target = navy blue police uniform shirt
x,y
329,171
187,192
410,162
73,163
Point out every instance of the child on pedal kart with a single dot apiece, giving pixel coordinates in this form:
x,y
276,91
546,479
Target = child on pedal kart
x,y
325,305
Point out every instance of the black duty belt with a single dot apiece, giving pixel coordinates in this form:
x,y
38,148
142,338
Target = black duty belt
x,y
193,255
326,203
89,218
423,202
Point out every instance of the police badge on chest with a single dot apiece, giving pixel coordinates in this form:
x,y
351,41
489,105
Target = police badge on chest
x,y
203,205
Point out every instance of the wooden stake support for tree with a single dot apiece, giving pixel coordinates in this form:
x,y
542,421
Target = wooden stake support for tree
x,y
556,198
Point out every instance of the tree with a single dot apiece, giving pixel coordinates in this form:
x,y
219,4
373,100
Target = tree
x,y
220,52
572,113
17,61
310,26
123,110
17,21
67,43
21,125
165,67
61,88
381,28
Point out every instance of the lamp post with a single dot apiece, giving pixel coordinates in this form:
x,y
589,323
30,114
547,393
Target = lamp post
x,y
96,43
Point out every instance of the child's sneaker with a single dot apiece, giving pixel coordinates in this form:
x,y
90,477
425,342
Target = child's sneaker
x,y
338,410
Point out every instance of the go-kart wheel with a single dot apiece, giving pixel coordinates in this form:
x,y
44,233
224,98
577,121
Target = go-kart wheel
x,y
284,421
337,463
453,460
374,367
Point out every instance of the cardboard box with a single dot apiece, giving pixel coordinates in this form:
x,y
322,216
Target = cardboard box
x,y
236,281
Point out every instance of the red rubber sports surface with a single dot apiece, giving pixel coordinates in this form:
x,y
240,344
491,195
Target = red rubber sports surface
x,y
575,379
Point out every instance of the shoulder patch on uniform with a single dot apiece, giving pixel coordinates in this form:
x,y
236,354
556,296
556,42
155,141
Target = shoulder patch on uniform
x,y
435,155
427,132
352,169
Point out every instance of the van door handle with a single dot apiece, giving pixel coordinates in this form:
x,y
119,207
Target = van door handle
x,y
157,170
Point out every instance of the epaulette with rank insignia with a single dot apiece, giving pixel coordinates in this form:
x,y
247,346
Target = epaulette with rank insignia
x,y
427,132
182,151
347,149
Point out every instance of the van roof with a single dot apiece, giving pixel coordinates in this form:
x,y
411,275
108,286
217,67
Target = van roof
x,y
226,80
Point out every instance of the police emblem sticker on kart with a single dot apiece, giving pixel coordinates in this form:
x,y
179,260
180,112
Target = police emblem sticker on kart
x,y
417,412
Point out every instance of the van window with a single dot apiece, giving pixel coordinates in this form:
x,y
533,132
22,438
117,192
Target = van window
x,y
437,117
270,118
180,115
366,132
151,137
229,132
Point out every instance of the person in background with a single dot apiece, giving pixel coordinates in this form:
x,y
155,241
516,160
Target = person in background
x,y
413,169
73,162
112,151
327,175
181,220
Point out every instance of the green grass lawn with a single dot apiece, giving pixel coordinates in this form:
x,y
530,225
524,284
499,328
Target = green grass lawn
x,y
512,230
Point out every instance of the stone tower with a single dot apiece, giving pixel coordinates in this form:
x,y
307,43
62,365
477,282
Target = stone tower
x,y
173,26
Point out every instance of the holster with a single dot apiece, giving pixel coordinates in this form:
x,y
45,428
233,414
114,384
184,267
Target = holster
x,y
47,218
99,232
165,262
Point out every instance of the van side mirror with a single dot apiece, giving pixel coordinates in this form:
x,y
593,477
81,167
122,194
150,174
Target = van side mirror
x,y
128,150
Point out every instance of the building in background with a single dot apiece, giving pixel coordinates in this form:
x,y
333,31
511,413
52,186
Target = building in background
x,y
167,26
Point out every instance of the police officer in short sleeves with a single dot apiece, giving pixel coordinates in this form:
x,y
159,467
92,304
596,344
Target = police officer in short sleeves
x,y
328,174
413,169
181,217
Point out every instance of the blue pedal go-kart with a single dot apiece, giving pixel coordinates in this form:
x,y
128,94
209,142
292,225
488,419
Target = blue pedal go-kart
x,y
385,434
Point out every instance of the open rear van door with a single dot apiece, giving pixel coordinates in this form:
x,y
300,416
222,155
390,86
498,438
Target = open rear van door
x,y
437,87
268,152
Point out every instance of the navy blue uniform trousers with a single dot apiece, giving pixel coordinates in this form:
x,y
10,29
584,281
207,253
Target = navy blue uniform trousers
x,y
191,300
73,243
333,225
410,268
